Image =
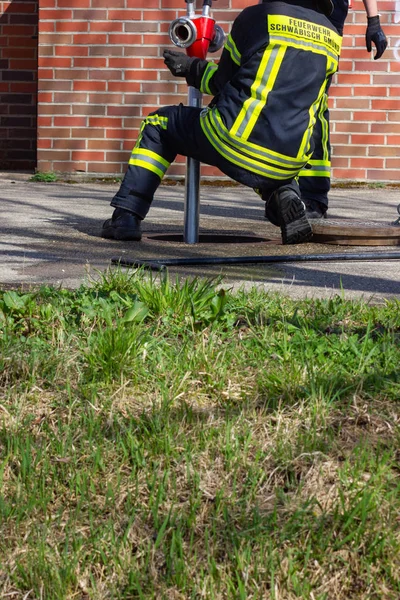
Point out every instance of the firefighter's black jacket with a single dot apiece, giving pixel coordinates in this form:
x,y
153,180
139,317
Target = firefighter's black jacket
x,y
268,85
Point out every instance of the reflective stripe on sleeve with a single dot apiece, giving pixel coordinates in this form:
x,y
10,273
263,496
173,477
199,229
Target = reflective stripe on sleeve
x,y
205,80
230,46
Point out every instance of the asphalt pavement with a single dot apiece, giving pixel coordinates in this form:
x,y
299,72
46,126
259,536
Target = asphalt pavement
x,y
50,234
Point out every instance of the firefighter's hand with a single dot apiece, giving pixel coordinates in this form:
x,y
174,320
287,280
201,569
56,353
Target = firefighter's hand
x,y
375,34
177,62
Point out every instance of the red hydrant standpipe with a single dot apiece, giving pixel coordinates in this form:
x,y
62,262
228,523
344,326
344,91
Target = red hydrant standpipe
x,y
196,35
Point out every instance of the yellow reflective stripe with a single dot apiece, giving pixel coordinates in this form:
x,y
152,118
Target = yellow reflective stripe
x,y
264,169
151,120
136,162
306,46
309,34
324,127
150,154
205,80
232,49
250,149
305,142
142,157
262,85
314,173
319,163
317,168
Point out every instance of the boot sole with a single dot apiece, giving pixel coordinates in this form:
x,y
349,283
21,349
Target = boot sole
x,y
295,228
297,232
121,234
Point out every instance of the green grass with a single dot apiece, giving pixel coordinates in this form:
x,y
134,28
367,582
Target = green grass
x,y
44,177
175,440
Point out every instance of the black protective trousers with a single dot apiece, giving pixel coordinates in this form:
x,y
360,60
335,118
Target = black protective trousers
x,y
165,133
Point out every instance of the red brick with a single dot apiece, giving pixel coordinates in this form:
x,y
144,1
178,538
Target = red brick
x,y
90,62
86,133
54,62
105,122
340,138
72,26
352,126
90,38
85,155
383,151
67,143
385,128
103,145
106,26
71,50
127,111
367,139
55,154
90,14
125,63
68,167
90,86
370,91
106,51
55,109
340,162
45,97
71,3
105,99
350,174
393,163
386,104
350,150
88,110
104,167
352,103
369,115
367,163
44,143
53,133
123,86
120,134
54,15
355,78
105,74
366,65
384,175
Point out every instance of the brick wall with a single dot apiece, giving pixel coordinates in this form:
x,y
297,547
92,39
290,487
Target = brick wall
x,y
101,72
18,85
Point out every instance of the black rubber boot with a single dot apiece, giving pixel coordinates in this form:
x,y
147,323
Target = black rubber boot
x,y
291,216
315,209
123,226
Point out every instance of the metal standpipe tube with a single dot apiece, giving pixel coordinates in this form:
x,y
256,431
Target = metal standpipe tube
x,y
184,33
192,185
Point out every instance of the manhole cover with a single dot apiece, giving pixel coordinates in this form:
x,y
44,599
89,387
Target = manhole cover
x,y
212,238
356,233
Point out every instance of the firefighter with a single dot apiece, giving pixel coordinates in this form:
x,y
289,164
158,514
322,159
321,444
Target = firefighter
x,y
267,90
315,180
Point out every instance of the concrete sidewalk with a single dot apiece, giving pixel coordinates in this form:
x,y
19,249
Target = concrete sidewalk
x,y
50,233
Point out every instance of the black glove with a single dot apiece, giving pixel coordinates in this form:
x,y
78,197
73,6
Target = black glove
x,y
375,34
177,62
